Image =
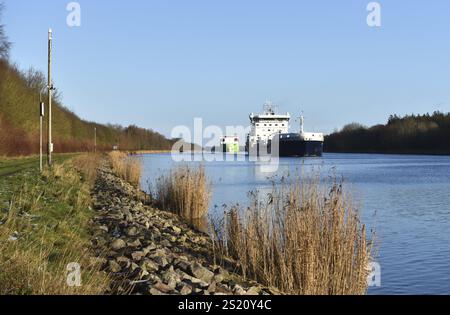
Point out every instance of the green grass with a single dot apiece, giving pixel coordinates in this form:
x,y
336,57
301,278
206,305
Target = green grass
x,y
9,166
50,214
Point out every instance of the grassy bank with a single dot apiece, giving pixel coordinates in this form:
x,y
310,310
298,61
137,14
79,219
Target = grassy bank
x,y
44,222
9,166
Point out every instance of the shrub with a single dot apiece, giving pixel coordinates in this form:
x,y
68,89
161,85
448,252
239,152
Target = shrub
x,y
185,191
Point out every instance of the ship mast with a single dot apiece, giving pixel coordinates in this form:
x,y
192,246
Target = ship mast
x,y
302,122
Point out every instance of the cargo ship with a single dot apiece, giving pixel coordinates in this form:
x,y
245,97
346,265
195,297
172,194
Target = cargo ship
x,y
230,144
270,135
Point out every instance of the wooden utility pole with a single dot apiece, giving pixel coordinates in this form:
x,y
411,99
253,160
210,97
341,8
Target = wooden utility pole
x,y
95,140
50,88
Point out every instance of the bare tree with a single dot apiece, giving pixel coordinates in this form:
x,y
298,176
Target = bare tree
x,y
4,42
35,79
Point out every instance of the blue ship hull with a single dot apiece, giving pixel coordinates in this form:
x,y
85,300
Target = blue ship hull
x,y
300,148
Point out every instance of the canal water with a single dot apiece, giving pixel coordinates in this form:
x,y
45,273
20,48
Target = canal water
x,y
405,198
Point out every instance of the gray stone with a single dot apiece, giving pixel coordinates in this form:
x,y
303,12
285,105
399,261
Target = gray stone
x,y
185,276
201,272
161,261
150,265
154,291
118,244
137,256
134,266
164,288
132,231
186,290
114,266
123,261
222,288
219,278
149,248
103,228
176,230
171,278
212,287
253,291
238,290
135,244
166,243
183,265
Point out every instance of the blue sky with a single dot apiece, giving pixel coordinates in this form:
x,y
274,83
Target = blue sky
x,y
159,64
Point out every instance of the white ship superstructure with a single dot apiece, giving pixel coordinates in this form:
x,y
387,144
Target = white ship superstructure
x,y
309,136
266,125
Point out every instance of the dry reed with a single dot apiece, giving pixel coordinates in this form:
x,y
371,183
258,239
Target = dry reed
x,y
302,239
127,167
185,191
87,164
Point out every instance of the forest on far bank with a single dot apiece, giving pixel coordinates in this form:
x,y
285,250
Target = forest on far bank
x,y
413,134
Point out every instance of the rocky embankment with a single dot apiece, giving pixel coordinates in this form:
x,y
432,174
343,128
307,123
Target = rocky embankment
x,y
148,251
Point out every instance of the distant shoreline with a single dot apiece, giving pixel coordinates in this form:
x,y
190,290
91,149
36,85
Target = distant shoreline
x,y
141,152
392,152
144,152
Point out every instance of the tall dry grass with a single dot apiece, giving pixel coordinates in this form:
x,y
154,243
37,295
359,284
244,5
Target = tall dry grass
x,y
185,191
88,165
303,238
127,167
